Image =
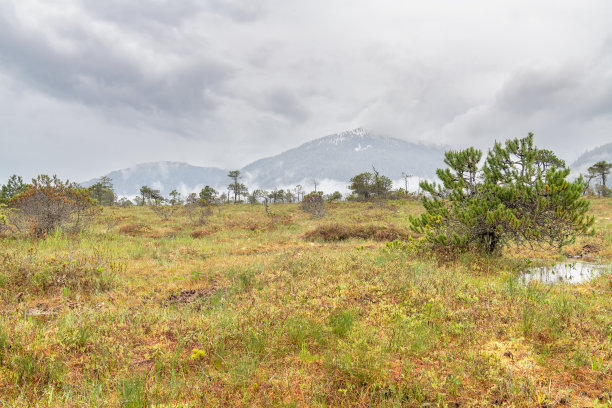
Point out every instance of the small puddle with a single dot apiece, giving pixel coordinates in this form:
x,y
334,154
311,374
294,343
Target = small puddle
x,y
568,272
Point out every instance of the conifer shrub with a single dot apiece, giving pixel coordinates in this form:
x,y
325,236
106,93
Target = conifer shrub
x,y
517,196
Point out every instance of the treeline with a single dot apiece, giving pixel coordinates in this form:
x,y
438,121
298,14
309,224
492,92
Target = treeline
x,y
363,186
519,194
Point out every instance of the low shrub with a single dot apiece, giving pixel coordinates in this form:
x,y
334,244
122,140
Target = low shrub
x,y
342,232
201,233
314,204
50,203
134,229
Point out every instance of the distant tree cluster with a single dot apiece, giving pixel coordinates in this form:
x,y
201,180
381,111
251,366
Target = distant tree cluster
x,y
149,196
103,192
368,185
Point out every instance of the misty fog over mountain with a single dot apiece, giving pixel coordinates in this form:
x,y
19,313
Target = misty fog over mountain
x,y
328,161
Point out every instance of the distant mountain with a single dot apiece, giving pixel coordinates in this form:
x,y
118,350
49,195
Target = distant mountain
x,y
164,176
591,157
341,156
330,160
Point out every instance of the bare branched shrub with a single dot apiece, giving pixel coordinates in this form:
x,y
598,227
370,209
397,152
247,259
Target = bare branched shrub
x,y
205,212
50,203
314,204
165,212
199,210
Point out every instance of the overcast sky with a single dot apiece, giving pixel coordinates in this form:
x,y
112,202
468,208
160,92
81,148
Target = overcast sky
x,y
91,86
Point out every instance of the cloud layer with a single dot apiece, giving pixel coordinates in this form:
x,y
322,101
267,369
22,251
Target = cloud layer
x,y
89,86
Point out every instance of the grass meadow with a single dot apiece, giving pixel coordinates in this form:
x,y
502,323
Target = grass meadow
x,y
282,309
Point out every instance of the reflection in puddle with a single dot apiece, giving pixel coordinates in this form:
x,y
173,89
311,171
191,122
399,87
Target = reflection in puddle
x,y
569,272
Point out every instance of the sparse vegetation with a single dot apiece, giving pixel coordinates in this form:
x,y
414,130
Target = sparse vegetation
x,y
259,309
270,306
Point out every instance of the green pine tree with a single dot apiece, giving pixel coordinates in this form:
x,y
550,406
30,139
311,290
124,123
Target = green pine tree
x,y
512,198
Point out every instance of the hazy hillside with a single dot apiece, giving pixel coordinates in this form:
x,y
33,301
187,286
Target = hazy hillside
x,y
331,161
164,176
341,156
592,156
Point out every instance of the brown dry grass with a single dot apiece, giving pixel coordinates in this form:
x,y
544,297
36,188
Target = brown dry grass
x,y
250,313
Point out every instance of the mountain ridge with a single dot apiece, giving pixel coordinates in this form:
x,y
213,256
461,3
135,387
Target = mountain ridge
x,y
331,160
590,157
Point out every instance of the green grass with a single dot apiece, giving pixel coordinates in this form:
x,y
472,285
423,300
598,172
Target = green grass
x,y
256,309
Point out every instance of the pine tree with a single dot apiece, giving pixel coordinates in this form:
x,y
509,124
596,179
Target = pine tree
x,y
150,195
512,198
13,187
103,191
175,198
208,195
367,185
600,170
361,185
235,187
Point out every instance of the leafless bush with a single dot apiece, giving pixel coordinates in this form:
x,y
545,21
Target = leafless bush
x,y
199,210
50,203
314,204
165,212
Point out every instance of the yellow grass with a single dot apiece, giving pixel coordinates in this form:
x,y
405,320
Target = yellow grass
x,y
249,310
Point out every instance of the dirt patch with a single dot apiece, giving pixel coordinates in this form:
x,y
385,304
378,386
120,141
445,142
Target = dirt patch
x,y
188,296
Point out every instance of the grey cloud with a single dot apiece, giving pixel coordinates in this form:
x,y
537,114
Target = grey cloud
x,y
246,79
565,106
136,12
243,11
530,90
286,104
153,15
98,73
